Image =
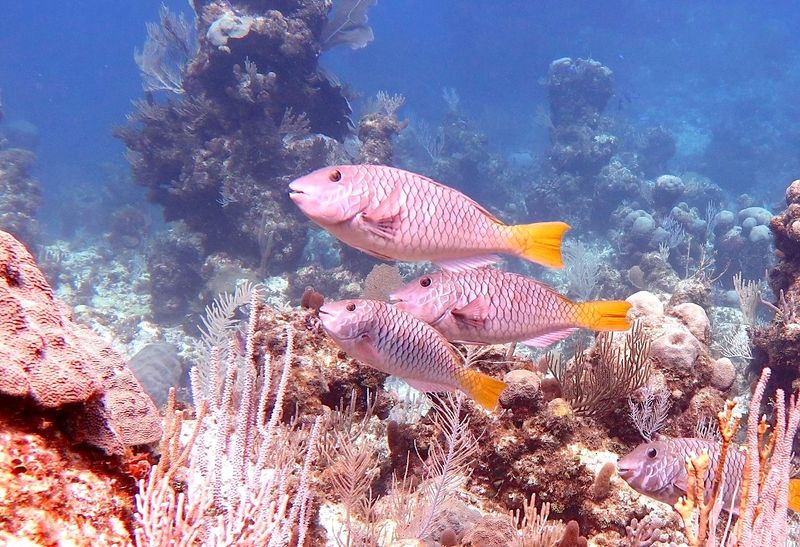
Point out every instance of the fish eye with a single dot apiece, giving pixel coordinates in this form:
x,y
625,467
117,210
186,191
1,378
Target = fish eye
x,y
350,307
651,453
335,175
425,281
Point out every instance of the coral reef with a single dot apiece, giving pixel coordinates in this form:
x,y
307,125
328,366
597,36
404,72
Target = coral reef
x,y
55,493
579,90
581,141
377,130
20,195
465,157
777,344
539,444
157,368
743,242
254,111
174,262
57,364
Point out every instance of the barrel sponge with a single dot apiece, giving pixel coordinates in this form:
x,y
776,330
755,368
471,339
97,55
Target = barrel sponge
x,y
675,348
694,318
55,363
723,374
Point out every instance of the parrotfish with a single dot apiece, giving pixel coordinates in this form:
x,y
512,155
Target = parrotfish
x,y
487,306
396,342
397,215
658,469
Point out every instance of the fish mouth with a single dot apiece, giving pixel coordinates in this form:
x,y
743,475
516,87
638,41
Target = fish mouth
x,y
625,472
295,191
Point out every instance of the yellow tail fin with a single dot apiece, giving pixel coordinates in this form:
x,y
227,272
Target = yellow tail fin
x,y
483,388
604,315
794,495
539,242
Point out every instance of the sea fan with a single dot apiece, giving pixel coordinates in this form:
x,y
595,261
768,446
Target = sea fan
x,y
449,463
220,321
348,25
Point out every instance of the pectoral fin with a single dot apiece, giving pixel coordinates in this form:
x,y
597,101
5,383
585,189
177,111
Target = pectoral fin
x,y
681,482
474,313
364,350
384,220
375,254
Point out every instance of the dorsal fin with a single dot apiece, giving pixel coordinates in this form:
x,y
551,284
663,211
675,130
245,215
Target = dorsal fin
x,y
477,205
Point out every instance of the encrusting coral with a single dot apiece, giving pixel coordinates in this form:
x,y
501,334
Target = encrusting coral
x,y
54,493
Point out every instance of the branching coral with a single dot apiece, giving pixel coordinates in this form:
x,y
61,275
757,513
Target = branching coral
x,y
763,498
242,477
253,114
765,487
594,387
698,511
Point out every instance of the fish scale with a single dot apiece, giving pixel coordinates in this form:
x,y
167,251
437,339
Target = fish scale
x,y
420,229
489,306
734,463
662,474
396,342
410,348
396,214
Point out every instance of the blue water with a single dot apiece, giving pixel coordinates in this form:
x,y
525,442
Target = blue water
x,y
696,67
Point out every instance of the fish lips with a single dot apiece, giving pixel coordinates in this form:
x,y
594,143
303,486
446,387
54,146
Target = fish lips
x,y
296,193
625,472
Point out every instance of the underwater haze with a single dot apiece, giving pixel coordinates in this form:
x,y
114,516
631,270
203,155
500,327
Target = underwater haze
x,y
703,69
359,272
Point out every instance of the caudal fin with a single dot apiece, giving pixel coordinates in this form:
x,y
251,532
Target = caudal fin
x,y
483,388
794,495
604,315
540,242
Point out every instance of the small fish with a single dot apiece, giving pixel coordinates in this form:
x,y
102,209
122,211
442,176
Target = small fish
x,y
658,469
398,343
487,306
397,215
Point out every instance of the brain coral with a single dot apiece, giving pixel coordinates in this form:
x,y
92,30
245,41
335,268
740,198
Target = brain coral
x,y
56,363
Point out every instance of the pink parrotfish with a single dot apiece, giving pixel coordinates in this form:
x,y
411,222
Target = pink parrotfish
x,y
397,215
487,306
398,343
658,469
